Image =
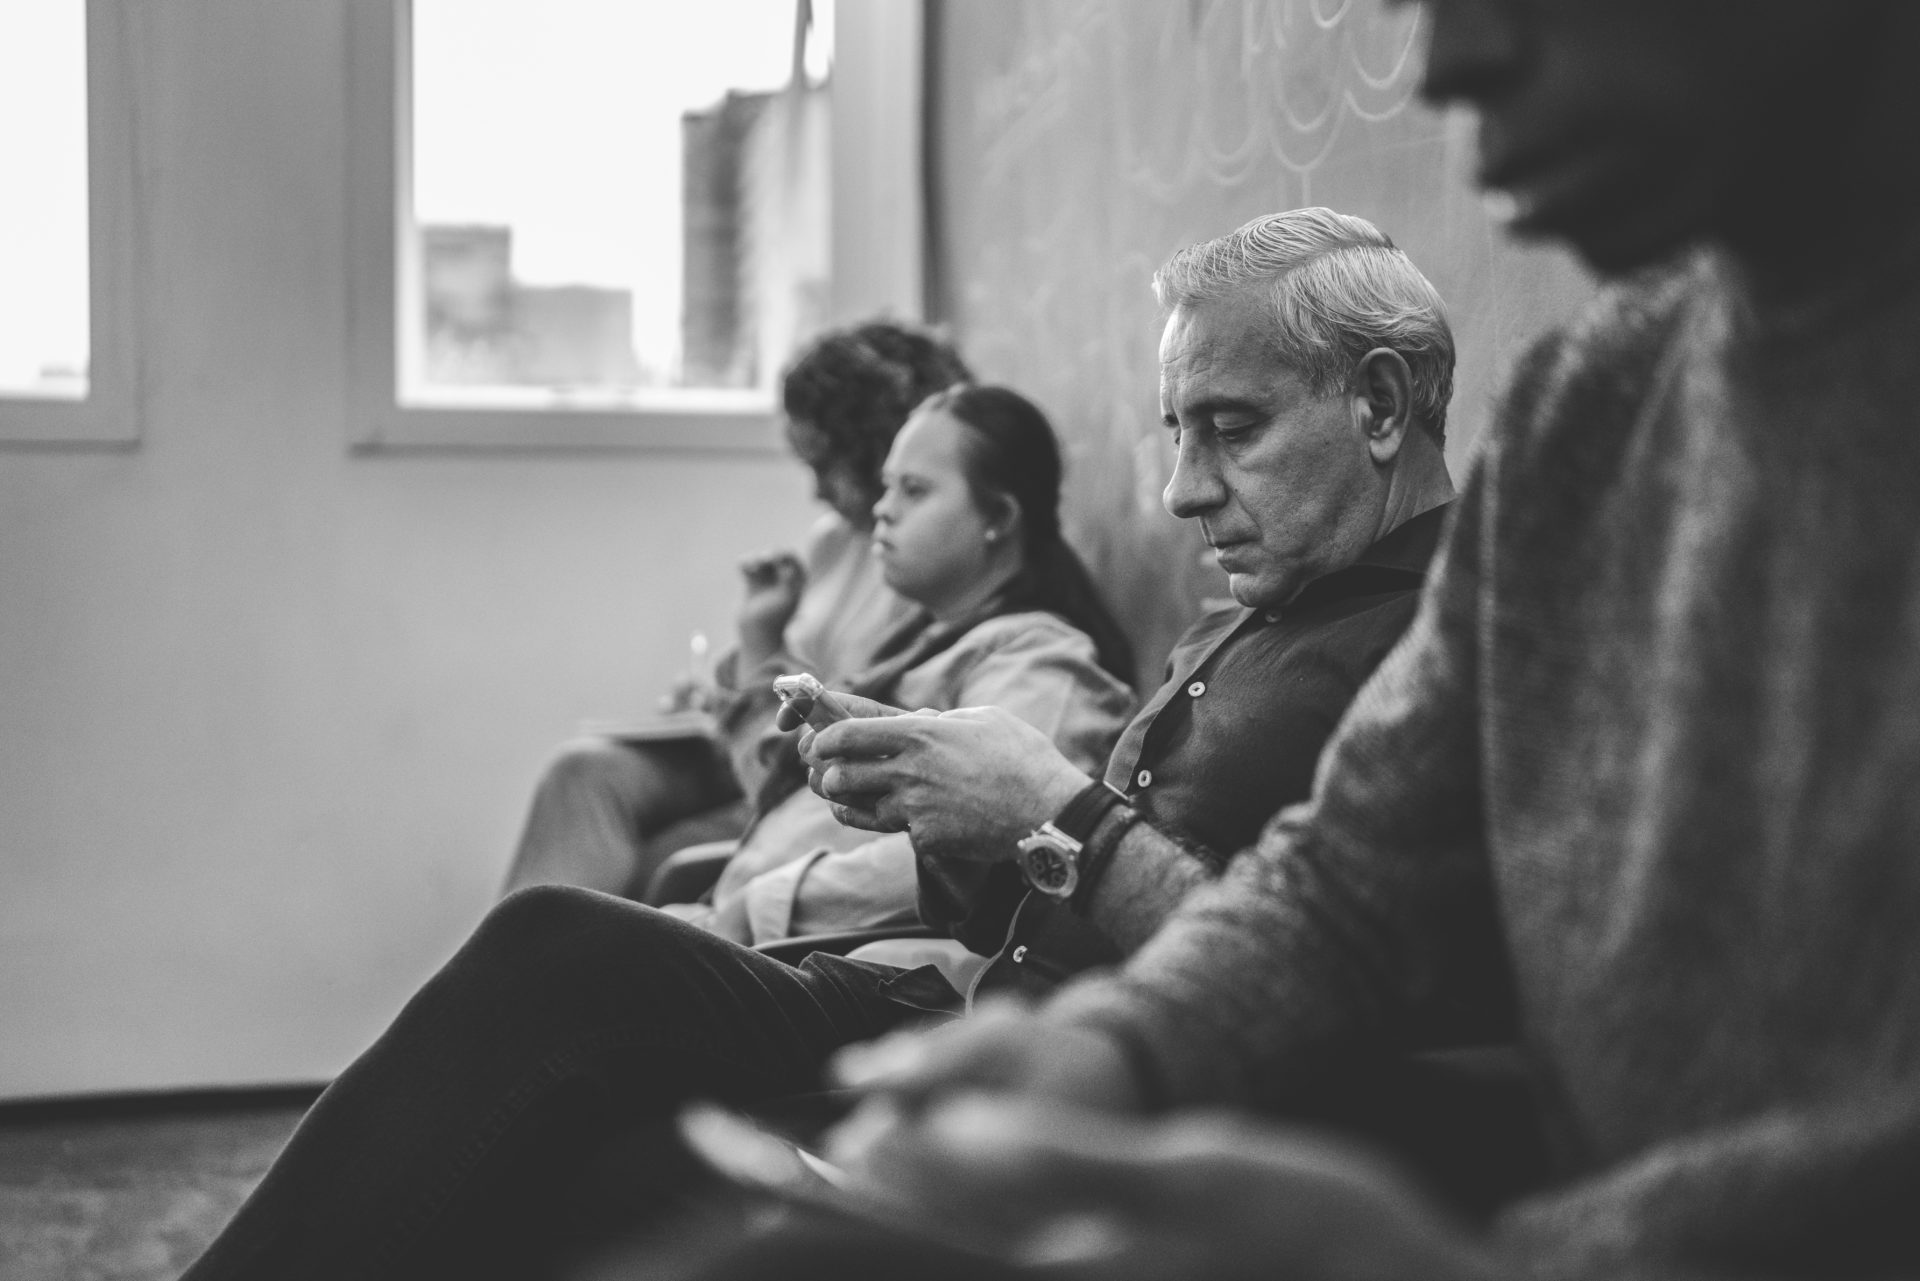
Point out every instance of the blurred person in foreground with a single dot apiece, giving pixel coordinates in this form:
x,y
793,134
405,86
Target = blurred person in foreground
x,y
1640,780
609,809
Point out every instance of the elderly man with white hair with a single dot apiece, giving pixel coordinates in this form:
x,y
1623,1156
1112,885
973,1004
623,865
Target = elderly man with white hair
x,y
1305,371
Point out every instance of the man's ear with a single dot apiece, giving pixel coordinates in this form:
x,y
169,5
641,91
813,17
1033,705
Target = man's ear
x,y
1382,398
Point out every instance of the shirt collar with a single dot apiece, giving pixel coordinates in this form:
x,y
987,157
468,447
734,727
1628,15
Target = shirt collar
x,y
1398,560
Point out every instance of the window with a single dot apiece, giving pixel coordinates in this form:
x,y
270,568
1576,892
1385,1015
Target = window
x,y
613,199
65,253
593,222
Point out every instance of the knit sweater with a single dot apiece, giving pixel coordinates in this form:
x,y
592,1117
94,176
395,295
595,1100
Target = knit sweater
x,y
1643,782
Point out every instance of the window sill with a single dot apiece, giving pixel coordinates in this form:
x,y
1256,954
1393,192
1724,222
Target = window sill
x,y
454,428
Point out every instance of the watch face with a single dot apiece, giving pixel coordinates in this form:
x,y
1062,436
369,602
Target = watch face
x,y
1048,867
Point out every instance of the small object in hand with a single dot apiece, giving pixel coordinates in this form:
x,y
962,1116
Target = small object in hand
x,y
804,698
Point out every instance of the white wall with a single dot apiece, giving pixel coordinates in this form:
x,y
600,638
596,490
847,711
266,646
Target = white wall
x,y
269,710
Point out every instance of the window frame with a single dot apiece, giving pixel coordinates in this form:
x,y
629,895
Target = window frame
x,y
109,413
379,135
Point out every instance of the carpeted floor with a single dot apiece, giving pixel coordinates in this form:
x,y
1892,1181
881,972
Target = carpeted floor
x,y
130,1189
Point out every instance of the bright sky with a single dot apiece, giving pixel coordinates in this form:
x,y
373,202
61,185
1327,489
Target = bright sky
x,y
43,220
561,119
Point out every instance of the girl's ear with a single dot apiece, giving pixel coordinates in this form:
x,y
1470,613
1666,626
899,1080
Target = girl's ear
x,y
1002,511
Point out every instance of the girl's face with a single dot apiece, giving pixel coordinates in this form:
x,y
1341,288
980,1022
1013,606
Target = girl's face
x,y
934,543
836,481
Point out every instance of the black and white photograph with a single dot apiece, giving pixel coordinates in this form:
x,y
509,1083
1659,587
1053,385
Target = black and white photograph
x,y
960,640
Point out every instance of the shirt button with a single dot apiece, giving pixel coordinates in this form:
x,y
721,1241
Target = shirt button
x,y
1020,954
1144,778
1196,689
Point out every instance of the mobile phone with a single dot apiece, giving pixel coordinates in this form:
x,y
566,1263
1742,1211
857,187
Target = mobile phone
x,y
801,691
746,1153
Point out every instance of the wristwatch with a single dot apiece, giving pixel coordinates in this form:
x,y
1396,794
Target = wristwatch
x,y
1050,860
1050,856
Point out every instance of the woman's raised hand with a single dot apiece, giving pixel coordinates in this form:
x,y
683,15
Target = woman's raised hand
x,y
774,581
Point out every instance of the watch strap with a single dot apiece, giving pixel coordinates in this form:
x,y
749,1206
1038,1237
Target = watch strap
x,y
1097,851
1084,812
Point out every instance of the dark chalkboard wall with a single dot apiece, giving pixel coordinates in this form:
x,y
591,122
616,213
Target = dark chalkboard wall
x,y
1076,143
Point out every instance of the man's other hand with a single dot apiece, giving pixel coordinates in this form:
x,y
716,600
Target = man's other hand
x,y
1003,1047
1201,1195
967,783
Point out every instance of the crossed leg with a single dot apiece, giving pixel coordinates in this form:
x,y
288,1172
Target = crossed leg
x,y
606,812
569,1018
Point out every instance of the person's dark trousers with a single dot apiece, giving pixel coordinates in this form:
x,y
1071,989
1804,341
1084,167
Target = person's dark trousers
x,y
572,1023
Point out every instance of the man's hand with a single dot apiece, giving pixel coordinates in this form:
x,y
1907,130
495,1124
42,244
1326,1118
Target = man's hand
x,y
774,581
1215,1196
1003,1047
967,783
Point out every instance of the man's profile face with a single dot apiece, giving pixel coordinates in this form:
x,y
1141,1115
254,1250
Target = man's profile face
x,y
1280,479
1630,127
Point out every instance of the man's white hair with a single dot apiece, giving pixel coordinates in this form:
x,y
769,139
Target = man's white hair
x,y
1339,289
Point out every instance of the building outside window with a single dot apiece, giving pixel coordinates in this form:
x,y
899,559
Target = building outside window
x,y
612,204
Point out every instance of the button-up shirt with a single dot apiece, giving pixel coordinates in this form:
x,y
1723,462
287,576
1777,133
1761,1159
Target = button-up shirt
x,y
1234,733
1252,696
